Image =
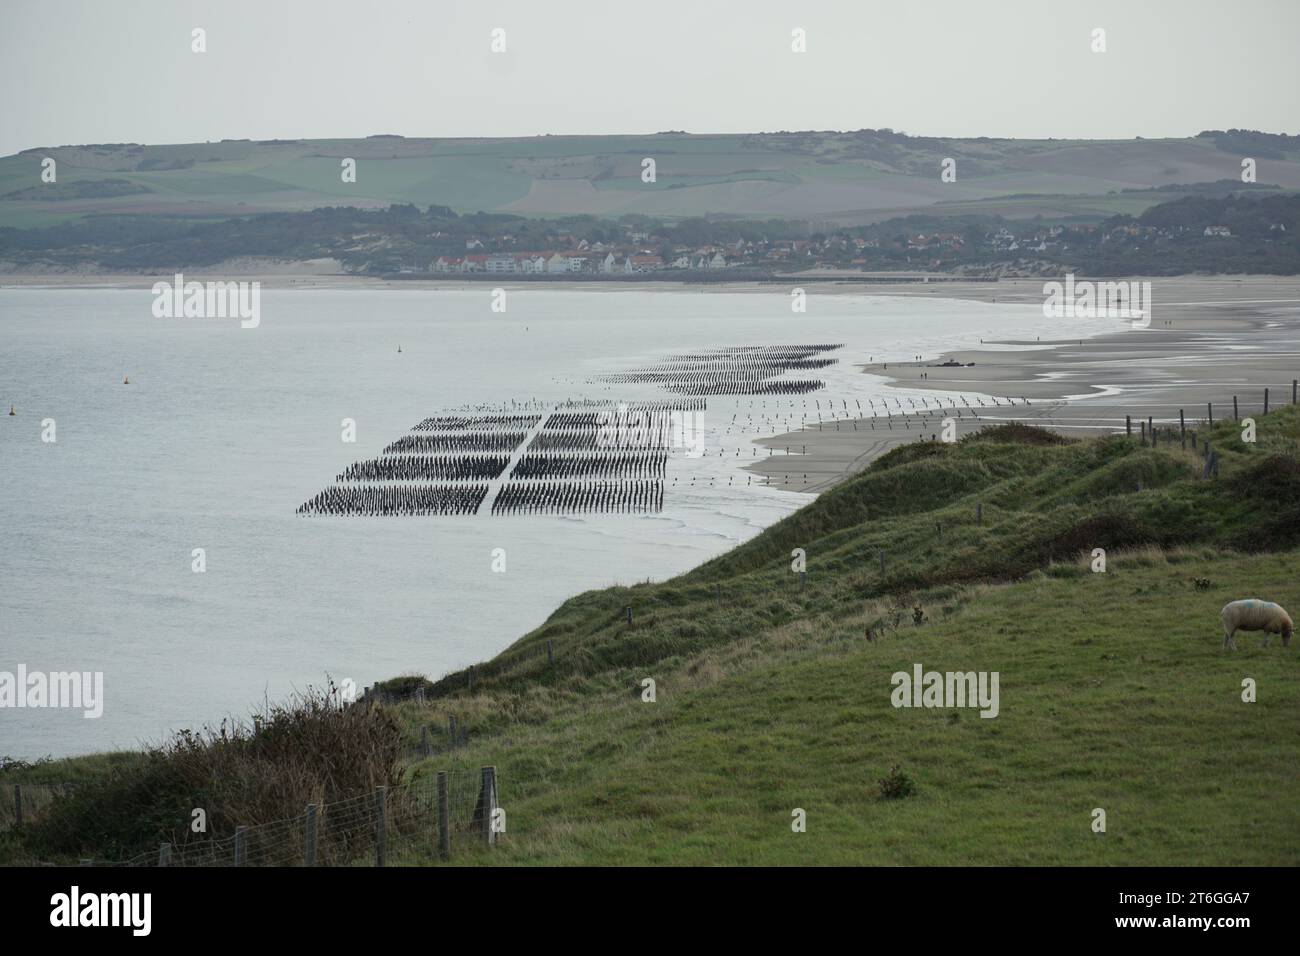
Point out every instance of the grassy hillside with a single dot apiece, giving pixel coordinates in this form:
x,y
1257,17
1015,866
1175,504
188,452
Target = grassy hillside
x,y
852,177
1114,690
773,694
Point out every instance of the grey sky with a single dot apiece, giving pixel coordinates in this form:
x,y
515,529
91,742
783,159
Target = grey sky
x,y
85,71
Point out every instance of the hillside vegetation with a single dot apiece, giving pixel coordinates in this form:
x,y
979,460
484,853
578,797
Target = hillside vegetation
x,y
842,177
1115,693
773,694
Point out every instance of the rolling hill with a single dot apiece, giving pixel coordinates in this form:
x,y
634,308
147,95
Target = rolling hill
x,y
847,178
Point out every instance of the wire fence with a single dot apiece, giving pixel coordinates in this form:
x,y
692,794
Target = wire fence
x,y
414,823
26,801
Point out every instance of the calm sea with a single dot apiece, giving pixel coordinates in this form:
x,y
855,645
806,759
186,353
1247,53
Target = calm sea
x,y
223,432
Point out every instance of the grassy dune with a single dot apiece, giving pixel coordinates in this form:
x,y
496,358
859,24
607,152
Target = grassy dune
x,y
1115,693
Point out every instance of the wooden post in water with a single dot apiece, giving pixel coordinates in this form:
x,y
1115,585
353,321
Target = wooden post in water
x,y
381,826
444,818
309,836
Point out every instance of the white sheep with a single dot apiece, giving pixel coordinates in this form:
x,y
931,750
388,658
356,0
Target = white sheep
x,y
1255,615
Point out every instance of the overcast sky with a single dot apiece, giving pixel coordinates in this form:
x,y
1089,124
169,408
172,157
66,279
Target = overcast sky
x,y
89,71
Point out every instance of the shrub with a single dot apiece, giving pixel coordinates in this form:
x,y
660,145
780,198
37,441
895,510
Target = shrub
x,y
896,784
309,750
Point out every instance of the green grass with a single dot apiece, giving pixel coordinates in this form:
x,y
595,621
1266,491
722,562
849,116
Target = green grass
x,y
772,695
495,174
1115,693
1108,699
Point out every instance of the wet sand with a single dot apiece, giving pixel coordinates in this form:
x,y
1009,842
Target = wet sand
x,y
1209,339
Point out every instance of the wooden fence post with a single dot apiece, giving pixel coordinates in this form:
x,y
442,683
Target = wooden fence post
x,y
1151,427
1143,426
309,836
1128,425
550,652
424,741
1265,401
381,826
18,806
488,803
1209,413
451,731
241,846
1182,428
164,854
628,611
444,818
1235,416
1295,383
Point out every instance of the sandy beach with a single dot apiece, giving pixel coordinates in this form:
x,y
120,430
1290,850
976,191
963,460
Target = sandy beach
x,y
1210,339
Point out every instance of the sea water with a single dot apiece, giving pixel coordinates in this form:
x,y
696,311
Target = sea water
x,y
223,431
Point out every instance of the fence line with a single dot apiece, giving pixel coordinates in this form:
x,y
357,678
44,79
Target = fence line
x,y
417,822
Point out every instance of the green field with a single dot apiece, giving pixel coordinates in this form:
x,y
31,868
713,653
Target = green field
x,y
1115,693
847,177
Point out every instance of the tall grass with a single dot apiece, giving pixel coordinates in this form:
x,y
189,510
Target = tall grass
x,y
239,773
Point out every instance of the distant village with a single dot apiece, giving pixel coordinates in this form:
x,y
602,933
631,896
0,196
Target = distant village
x,y
1223,234
642,252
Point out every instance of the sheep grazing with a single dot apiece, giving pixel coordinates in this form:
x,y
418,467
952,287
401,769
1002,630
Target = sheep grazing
x,y
1254,615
